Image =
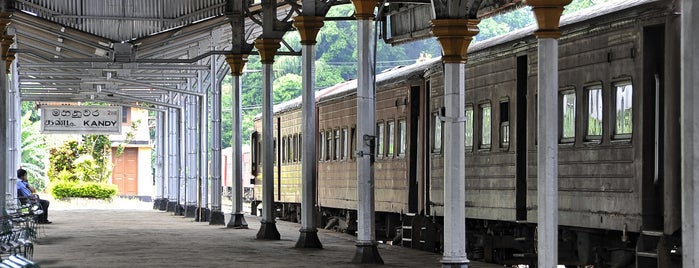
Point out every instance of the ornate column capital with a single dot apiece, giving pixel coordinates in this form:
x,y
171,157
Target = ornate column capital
x,y
454,35
548,15
237,63
364,9
267,48
308,26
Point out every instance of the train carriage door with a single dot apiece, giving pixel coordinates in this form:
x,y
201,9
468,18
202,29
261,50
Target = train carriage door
x,y
415,159
521,139
652,112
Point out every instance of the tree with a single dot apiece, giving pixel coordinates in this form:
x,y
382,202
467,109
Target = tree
x,y
34,151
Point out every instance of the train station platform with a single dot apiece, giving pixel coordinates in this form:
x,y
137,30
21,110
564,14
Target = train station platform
x,y
149,238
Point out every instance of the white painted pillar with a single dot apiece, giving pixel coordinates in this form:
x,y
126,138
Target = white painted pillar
x,y
203,214
165,167
547,156
308,28
182,157
690,133
454,160
14,131
191,166
267,49
216,147
237,220
367,251
158,159
237,178
4,147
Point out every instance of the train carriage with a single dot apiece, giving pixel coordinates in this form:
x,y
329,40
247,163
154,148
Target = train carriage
x,y
618,113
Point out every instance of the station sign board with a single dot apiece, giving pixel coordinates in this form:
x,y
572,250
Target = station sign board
x,y
81,119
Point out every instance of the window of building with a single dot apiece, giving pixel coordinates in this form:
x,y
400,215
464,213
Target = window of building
x,y
401,138
468,128
436,133
379,140
568,116
485,126
504,123
391,138
595,113
125,114
623,126
300,146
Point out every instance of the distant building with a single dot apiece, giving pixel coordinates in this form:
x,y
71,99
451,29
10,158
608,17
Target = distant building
x,y
132,172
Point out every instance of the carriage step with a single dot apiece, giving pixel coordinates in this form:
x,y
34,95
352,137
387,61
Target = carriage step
x,y
647,254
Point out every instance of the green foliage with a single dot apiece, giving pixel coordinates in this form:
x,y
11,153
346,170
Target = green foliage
x,y
67,189
287,87
34,152
88,169
62,158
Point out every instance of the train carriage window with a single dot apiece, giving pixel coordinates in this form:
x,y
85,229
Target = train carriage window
x,y
295,147
391,138
468,128
568,116
285,149
401,138
623,114
337,144
345,144
485,126
321,146
504,124
353,142
436,133
379,140
595,113
328,145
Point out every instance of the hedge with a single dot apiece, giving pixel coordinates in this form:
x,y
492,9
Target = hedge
x,y
66,189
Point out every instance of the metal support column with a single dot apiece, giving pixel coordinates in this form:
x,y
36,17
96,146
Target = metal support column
x,y
14,129
690,133
192,185
203,212
548,13
236,60
158,160
267,48
454,35
237,63
217,217
182,158
367,251
4,119
164,129
308,27
173,158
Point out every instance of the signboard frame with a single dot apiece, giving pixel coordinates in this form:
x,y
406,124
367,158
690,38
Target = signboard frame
x,y
81,119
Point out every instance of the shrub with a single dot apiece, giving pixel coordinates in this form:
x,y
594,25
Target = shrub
x,y
66,189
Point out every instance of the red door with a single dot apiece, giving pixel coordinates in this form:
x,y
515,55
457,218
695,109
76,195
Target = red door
x,y
125,174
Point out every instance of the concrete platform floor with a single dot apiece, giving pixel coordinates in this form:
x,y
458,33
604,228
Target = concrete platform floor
x,y
151,238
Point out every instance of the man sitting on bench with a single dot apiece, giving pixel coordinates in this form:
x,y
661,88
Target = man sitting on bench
x,y
26,192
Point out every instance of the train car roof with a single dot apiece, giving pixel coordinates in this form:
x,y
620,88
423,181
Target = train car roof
x,y
568,19
399,73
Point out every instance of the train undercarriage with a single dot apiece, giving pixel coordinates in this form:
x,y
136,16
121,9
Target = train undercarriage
x,y
507,243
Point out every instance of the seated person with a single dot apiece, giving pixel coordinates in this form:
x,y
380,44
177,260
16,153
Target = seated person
x,y
27,192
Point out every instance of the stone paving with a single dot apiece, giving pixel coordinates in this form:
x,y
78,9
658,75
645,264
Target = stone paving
x,y
134,235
